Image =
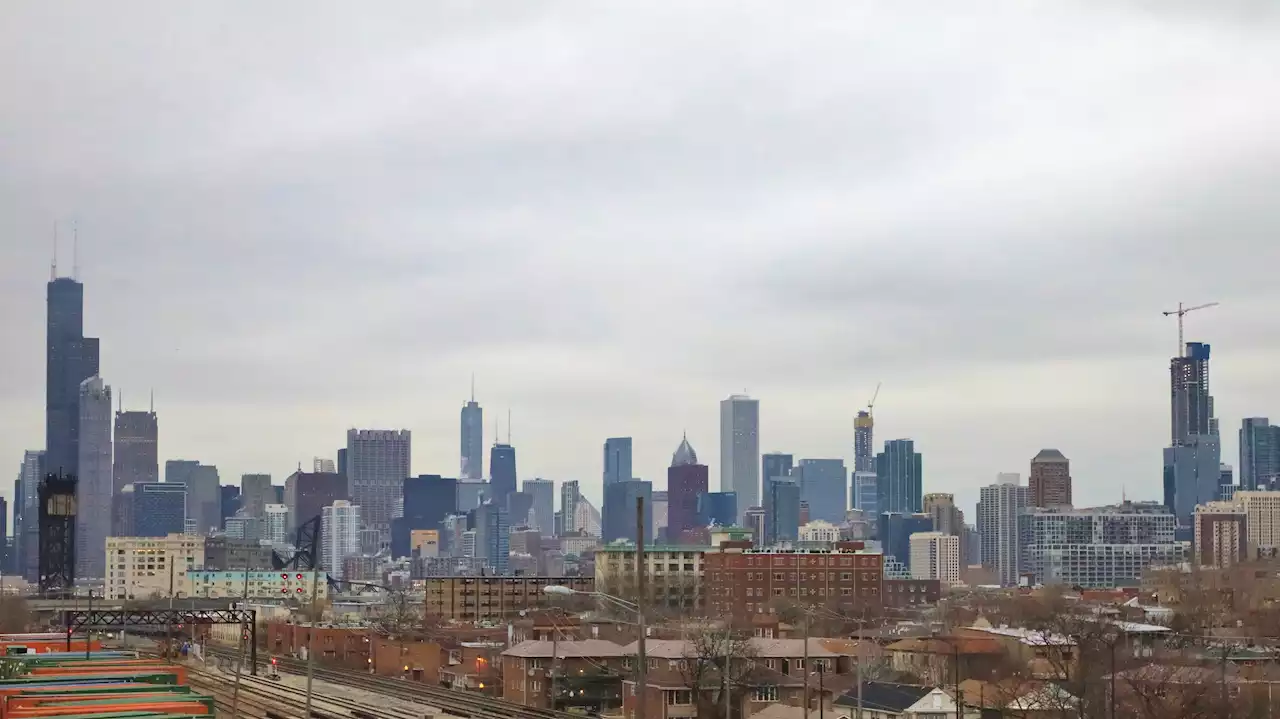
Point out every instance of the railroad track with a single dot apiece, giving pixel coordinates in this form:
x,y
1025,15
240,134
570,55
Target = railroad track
x,y
456,702
268,699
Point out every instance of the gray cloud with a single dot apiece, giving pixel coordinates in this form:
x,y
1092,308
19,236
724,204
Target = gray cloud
x,y
305,218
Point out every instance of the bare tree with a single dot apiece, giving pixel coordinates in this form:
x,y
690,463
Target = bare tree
x,y
713,653
15,616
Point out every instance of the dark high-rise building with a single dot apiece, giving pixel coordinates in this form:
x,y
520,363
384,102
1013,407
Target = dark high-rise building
x,y
256,494
4,532
824,484
619,513
342,461
204,491
864,459
378,462
617,460
782,516
28,561
899,469
543,492
718,508
1259,453
502,472
159,509
1050,481
895,530
774,467
70,359
686,482
472,439
307,493
493,535
428,499
1192,461
229,503
136,449
519,506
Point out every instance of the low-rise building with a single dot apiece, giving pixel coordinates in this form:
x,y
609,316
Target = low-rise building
x,y
1221,534
674,574
564,674
741,581
906,593
471,599
151,567
292,586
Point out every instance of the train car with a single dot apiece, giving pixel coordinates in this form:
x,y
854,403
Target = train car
x,y
169,675
42,646
36,667
192,705
64,656
25,702
95,670
134,715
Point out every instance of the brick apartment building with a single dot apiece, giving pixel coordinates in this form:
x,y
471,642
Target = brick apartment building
x,y
471,599
741,581
907,593
584,674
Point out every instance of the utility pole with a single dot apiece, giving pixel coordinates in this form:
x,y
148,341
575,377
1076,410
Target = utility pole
x,y
642,672
311,636
728,660
244,629
804,673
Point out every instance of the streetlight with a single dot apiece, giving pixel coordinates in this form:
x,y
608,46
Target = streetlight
x,y
642,684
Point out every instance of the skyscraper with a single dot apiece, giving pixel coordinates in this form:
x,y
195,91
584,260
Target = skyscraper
x,y
774,467
1192,461
158,508
544,501
378,462
493,536
617,460
306,494
28,563
70,359
719,508
998,511
619,514
1259,453
569,505
1050,479
899,469
339,536
502,470
204,492
782,513
229,501
519,507
740,450
895,530
947,518
472,438
255,493
824,484
136,449
686,481
863,492
863,446
94,490
428,499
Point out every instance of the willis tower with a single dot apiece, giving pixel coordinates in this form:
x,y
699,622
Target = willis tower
x,y
71,358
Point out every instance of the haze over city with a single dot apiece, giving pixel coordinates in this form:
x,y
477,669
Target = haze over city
x,y
297,219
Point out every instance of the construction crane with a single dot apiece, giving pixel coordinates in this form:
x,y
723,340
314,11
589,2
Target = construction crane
x,y
1182,312
871,405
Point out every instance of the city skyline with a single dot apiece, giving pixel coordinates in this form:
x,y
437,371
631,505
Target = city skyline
x,y
1031,320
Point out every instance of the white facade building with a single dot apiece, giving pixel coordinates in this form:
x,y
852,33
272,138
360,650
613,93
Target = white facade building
x,y
740,450
998,509
819,531
339,535
276,524
94,489
935,555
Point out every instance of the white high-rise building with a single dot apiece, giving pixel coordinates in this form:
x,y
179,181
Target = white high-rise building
x,y
569,496
339,535
998,511
276,524
93,490
377,466
819,531
935,555
740,450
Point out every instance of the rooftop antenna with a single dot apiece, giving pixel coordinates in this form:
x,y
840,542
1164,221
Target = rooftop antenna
x,y
473,386
120,397
153,400
1182,312
508,426
75,250
53,266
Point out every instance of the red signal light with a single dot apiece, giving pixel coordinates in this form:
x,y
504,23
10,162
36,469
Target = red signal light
x,y
299,577
285,576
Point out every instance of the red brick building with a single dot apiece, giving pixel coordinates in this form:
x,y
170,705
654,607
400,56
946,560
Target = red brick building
x,y
741,582
901,593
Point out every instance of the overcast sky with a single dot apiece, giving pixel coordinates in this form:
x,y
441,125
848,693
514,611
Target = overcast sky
x,y
296,218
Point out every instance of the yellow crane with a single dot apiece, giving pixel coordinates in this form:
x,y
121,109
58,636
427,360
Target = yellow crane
x,y
1182,312
871,405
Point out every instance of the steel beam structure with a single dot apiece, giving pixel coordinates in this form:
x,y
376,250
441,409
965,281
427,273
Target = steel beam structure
x,y
116,618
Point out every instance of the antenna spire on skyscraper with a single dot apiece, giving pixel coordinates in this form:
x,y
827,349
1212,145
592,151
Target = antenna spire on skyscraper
x,y
75,250
53,265
473,386
508,425
153,400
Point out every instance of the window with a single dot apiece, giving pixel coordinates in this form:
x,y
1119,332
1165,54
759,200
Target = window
x,y
681,697
537,686
777,576
765,694
535,663
846,576
846,592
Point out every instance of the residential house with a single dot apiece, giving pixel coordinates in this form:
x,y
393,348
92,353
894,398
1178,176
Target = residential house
x,y
569,674
946,660
889,700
